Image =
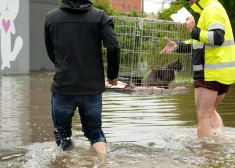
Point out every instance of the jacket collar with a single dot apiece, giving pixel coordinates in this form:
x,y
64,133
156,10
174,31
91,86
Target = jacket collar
x,y
201,4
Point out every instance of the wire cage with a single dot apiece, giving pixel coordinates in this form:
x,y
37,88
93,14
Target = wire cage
x,y
143,70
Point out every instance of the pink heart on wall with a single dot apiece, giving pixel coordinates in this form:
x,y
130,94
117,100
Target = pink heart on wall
x,y
6,24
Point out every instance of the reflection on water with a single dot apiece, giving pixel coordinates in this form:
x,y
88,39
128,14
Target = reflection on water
x,y
154,131
14,113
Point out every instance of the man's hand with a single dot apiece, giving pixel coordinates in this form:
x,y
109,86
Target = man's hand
x,y
170,47
113,81
190,24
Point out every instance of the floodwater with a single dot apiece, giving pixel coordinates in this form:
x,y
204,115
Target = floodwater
x,y
142,132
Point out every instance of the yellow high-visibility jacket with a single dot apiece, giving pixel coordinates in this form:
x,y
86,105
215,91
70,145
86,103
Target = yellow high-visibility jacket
x,y
213,47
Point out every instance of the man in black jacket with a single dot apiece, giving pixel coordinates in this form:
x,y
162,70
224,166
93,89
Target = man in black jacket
x,y
74,33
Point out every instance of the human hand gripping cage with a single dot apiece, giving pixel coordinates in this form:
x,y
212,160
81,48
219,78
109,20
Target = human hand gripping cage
x,y
143,69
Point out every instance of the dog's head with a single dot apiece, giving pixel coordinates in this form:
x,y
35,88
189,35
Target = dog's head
x,y
175,65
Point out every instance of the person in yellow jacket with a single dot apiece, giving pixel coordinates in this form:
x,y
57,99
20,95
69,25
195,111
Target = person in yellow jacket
x,y
213,59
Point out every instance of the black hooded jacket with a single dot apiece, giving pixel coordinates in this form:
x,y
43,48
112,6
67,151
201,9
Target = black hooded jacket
x,y
74,33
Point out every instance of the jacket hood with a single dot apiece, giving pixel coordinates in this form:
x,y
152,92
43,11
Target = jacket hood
x,y
77,6
201,4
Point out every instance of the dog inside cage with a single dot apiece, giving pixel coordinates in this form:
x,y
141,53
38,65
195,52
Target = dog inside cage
x,y
163,76
143,69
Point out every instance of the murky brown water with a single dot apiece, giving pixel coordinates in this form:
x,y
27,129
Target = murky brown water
x,y
142,132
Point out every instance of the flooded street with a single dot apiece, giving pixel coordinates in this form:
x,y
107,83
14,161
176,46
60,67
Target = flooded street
x,y
142,132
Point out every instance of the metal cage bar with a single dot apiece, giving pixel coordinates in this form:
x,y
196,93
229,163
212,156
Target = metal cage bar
x,y
143,70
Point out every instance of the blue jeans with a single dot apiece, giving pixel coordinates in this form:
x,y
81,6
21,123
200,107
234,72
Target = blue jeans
x,y
90,111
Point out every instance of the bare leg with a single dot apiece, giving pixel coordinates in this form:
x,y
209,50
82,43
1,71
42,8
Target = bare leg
x,y
205,101
215,117
100,147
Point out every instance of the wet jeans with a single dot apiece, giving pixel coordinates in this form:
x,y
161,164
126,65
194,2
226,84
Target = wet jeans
x,y
90,110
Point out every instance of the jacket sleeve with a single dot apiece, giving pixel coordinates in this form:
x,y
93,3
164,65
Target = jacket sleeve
x,y
184,47
111,44
48,43
215,23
